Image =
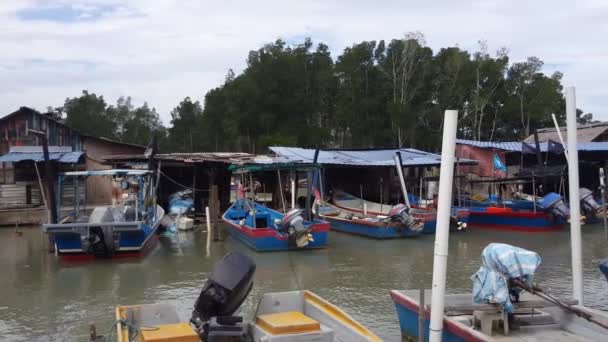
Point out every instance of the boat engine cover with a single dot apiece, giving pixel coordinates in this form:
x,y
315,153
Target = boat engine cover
x,y
226,288
400,214
554,204
293,225
588,202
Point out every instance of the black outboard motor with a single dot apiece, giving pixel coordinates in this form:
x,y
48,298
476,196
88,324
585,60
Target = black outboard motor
x,y
292,224
224,292
400,214
588,203
554,204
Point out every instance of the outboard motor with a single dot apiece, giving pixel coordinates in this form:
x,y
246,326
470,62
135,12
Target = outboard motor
x,y
223,293
554,204
588,203
400,214
292,224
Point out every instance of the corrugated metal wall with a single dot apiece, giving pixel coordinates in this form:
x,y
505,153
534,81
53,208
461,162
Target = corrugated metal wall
x,y
485,166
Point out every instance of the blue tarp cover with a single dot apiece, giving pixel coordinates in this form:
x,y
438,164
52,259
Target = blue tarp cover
x,y
501,262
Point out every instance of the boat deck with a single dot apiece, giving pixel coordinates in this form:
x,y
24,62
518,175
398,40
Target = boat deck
x,y
538,320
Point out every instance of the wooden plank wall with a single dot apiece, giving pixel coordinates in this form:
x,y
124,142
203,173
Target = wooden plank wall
x,y
15,195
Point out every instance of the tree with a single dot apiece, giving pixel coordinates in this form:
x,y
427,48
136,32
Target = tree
x,y
87,114
141,125
185,118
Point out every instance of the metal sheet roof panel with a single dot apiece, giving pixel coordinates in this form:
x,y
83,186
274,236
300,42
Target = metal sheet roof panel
x,y
61,157
376,157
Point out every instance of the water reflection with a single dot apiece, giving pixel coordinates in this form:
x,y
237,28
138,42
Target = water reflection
x,y
44,298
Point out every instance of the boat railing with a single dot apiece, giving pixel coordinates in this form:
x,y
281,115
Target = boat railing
x,y
76,227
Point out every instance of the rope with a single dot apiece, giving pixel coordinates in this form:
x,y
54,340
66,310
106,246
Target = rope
x,y
131,327
182,185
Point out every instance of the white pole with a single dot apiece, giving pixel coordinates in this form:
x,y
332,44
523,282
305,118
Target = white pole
x,y
208,229
440,260
575,210
365,209
293,194
399,167
559,134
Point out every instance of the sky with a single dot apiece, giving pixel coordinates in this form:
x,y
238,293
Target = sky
x,y
161,51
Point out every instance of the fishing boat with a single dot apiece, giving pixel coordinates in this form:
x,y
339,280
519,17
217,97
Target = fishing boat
x,y
346,201
396,224
501,307
265,229
294,316
549,213
127,226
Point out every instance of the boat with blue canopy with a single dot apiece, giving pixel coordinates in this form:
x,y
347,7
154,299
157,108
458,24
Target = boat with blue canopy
x,y
127,226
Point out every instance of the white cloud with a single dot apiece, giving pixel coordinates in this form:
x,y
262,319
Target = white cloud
x,y
163,50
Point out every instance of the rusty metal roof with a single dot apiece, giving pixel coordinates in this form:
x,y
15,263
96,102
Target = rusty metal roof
x,y
584,133
363,157
199,157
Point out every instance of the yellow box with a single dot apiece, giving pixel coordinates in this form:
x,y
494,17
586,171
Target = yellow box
x,y
290,322
180,332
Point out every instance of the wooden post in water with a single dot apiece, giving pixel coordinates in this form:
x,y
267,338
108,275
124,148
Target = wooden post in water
x,y
208,217
214,206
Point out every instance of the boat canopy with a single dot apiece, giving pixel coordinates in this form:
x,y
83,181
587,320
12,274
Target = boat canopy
x,y
111,172
500,263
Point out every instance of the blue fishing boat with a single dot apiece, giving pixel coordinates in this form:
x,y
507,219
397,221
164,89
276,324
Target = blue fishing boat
x,y
264,229
127,226
550,213
397,224
346,201
502,298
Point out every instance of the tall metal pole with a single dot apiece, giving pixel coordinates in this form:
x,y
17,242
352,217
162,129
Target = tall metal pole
x,y
575,210
440,260
559,134
281,190
310,176
399,166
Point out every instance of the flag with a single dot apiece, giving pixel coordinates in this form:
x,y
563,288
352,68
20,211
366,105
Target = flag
x,y
498,164
555,147
527,148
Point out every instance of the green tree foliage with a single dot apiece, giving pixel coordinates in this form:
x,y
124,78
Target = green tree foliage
x,y
184,135
377,95
88,115
374,94
91,115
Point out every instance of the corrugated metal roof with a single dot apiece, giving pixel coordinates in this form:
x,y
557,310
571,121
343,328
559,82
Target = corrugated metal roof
x,y
505,145
199,157
61,157
111,172
584,133
375,157
515,146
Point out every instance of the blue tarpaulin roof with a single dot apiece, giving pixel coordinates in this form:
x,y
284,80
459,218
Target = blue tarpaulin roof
x,y
371,157
61,157
516,146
